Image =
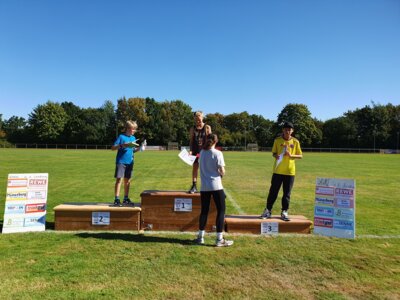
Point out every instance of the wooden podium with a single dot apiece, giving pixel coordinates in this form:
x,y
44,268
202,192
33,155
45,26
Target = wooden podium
x,y
93,216
252,224
174,210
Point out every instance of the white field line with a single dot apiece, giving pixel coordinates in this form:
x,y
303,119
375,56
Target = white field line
x,y
234,203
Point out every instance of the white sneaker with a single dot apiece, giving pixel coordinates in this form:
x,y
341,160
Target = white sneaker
x,y
223,243
266,214
284,215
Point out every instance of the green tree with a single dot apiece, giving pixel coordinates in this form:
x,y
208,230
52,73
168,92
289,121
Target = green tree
x,y
72,130
16,129
300,116
47,121
261,129
340,133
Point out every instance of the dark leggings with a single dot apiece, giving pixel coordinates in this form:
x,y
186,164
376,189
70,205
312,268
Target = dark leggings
x,y
219,199
276,182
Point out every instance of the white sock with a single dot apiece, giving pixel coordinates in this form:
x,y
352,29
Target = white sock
x,y
201,233
220,235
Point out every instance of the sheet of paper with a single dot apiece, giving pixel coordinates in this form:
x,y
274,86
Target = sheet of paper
x,y
186,157
279,160
132,144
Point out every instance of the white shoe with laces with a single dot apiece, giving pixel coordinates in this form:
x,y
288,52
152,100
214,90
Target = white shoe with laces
x,y
223,243
284,215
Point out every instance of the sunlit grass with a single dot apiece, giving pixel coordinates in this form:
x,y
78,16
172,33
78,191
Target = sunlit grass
x,y
125,265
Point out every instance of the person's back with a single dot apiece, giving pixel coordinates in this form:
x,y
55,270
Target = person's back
x,y
210,160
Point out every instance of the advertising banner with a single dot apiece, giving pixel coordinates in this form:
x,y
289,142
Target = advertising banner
x,y
26,200
334,210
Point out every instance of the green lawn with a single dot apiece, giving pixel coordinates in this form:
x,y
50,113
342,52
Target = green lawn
x,y
109,265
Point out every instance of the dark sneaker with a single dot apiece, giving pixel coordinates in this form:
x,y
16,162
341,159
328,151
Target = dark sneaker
x,y
117,203
128,201
266,214
199,240
285,215
193,189
223,243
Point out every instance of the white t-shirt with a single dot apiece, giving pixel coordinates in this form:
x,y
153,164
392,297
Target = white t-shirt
x,y
210,161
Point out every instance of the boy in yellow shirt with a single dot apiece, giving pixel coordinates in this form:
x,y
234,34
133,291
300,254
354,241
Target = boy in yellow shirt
x,y
285,150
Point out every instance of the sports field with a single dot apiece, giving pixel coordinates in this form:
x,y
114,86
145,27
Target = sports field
x,y
109,265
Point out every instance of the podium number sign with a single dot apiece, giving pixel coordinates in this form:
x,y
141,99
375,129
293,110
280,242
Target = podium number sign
x,y
183,204
101,218
270,228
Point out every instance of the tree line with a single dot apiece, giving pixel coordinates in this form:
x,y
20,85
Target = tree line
x,y
373,126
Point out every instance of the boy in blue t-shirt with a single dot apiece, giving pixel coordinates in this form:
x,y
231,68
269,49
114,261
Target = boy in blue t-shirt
x,y
126,146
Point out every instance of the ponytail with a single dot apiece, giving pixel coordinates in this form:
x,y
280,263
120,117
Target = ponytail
x,y
211,140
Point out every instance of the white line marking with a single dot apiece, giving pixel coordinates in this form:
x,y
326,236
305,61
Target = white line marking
x,y
234,203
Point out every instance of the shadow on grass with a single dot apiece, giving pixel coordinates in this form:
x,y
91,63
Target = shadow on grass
x,y
137,238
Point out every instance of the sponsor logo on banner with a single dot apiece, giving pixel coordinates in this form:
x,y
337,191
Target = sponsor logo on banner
x,y
324,201
37,182
343,224
17,182
324,211
323,222
17,195
14,208
345,192
344,202
34,221
343,213
325,190
37,195
13,222
34,208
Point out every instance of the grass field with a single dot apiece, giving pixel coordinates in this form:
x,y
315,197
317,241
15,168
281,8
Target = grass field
x,y
109,265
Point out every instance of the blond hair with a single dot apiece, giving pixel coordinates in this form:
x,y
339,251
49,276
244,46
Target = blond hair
x,y
131,124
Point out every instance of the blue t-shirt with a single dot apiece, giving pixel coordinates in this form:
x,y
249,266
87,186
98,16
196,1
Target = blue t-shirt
x,y
125,155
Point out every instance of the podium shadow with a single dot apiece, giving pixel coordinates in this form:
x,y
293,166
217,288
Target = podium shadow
x,y
136,238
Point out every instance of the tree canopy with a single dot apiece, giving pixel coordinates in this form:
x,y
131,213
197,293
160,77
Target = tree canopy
x,y
372,126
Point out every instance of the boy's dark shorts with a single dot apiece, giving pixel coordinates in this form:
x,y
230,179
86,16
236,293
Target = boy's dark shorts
x,y
123,170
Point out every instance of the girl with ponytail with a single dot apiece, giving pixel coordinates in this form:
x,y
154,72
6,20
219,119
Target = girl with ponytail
x,y
212,168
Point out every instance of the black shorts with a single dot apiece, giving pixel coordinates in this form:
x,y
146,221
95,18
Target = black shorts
x,y
123,171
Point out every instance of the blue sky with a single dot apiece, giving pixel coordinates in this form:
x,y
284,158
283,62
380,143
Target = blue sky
x,y
215,55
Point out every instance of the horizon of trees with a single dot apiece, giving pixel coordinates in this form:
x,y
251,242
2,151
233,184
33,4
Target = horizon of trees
x,y
373,126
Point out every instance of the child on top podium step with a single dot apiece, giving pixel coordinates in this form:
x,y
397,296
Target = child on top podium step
x,y
126,146
286,150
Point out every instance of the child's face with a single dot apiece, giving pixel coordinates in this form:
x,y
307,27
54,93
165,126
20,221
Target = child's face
x,y
287,132
130,131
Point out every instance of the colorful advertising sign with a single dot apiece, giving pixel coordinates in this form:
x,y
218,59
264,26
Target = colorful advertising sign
x,y
334,211
26,198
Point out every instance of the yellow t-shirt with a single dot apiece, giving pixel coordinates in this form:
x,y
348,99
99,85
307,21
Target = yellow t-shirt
x,y
286,165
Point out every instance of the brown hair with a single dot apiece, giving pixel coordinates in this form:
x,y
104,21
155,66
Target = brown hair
x,y
211,139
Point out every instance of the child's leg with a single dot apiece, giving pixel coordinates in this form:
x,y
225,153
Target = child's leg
x,y
276,183
127,184
205,206
117,187
288,182
219,199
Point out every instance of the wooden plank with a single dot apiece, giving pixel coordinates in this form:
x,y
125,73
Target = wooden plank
x,y
252,224
92,206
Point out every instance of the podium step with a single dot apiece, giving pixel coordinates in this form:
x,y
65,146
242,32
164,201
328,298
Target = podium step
x,y
173,211
89,216
252,224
